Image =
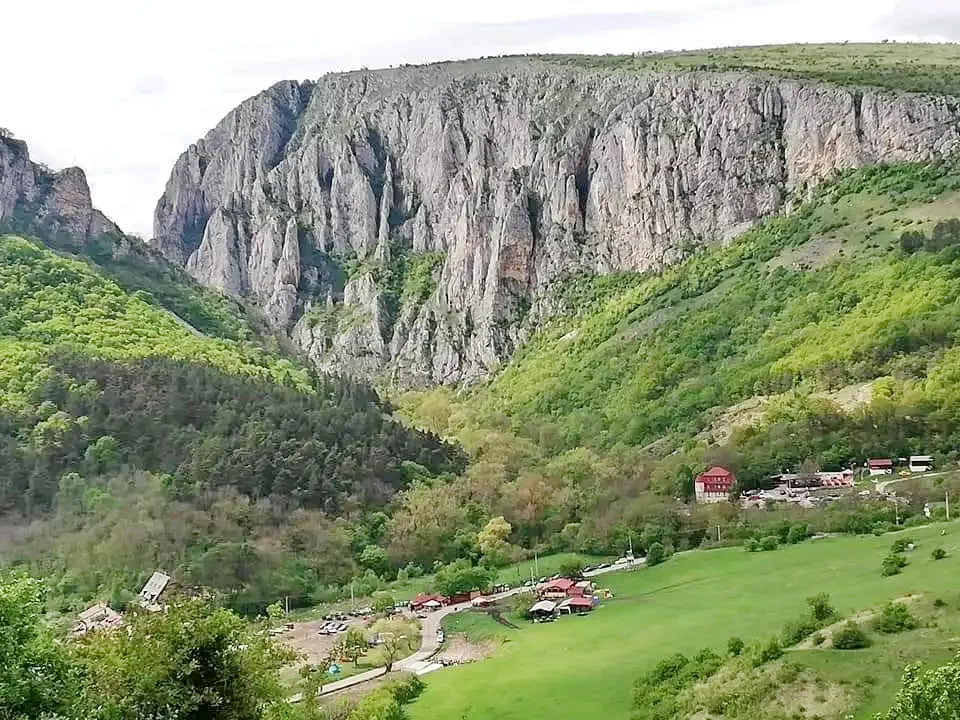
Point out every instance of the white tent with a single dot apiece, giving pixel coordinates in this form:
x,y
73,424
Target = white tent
x,y
544,606
432,605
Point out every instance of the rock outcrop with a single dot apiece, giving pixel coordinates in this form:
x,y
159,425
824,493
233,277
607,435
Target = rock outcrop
x,y
404,223
36,199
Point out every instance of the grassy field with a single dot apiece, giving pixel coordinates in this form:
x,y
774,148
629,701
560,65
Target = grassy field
x,y
587,665
899,66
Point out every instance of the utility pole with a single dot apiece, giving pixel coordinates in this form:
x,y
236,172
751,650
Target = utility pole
x,y
946,497
718,533
536,563
896,507
630,540
353,604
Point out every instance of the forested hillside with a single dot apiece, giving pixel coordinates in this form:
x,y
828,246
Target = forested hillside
x,y
125,436
634,385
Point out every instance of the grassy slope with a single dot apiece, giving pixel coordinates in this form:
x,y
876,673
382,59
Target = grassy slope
x,y
897,66
587,665
47,301
647,356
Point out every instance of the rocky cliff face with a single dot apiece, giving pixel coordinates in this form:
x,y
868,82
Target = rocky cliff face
x,y
404,223
34,198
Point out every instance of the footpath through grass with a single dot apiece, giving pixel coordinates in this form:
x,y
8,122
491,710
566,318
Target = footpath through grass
x,y
587,666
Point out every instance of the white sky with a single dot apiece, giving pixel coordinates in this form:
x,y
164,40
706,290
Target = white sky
x,y
122,91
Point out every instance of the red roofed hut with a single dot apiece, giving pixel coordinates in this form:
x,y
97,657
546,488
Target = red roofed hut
x,y
558,588
580,604
421,600
880,466
714,485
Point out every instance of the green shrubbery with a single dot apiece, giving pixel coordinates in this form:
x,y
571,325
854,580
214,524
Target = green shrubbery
x,y
938,554
892,565
655,694
894,618
821,612
901,545
767,652
850,636
735,646
901,66
771,542
655,554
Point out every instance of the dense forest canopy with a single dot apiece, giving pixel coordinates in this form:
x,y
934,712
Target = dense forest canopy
x,y
115,415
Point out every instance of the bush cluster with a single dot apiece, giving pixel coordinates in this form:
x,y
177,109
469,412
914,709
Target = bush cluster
x,y
894,618
850,637
892,565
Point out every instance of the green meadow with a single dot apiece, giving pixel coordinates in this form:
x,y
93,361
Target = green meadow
x,y
586,666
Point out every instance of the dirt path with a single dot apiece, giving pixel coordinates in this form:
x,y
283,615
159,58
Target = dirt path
x,y
859,618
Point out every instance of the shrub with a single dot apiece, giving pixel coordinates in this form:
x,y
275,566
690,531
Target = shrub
x,y
770,651
817,639
939,603
798,533
900,545
850,637
408,689
820,607
752,545
655,554
892,565
796,630
734,646
894,618
912,240
770,542
938,554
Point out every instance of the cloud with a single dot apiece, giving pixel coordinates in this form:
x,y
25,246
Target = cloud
x,y
925,19
149,85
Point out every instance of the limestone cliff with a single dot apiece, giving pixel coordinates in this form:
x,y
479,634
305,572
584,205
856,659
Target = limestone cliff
x,y
404,223
36,199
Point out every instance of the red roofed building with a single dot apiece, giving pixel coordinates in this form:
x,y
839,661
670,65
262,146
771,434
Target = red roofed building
x,y
559,588
420,600
880,466
714,485
581,604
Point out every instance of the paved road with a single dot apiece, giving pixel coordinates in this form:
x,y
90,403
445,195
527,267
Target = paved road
x,y
882,485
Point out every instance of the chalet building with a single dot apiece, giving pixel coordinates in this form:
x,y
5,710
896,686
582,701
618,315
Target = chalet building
x,y
714,485
880,466
921,463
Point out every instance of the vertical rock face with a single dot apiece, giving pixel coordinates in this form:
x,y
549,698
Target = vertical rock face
x,y
402,223
33,196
